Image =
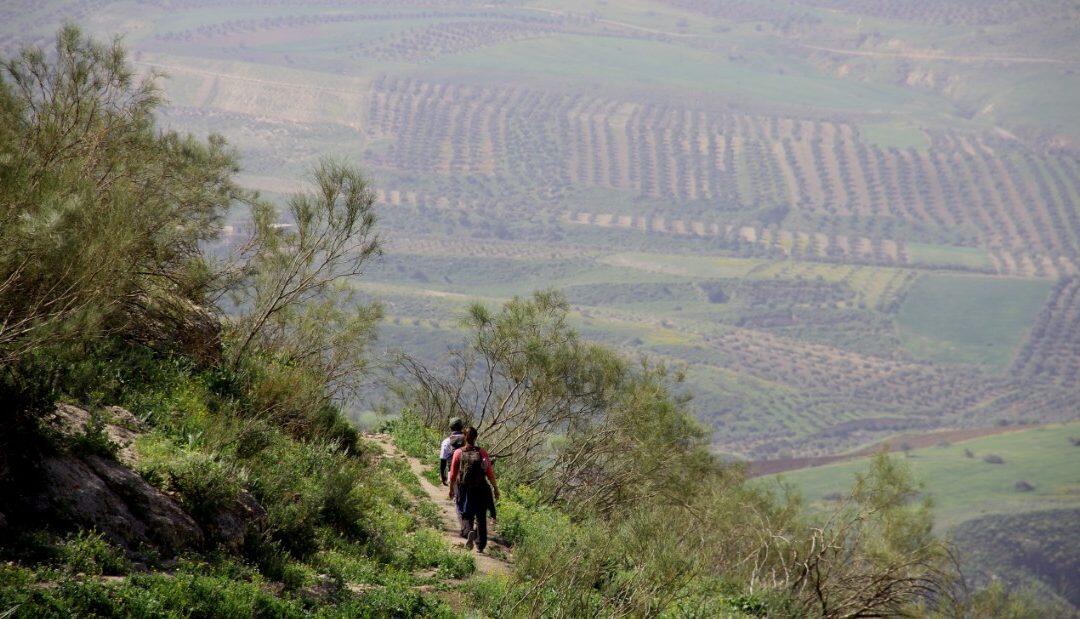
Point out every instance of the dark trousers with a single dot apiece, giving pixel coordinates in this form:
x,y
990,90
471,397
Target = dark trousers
x,y
477,522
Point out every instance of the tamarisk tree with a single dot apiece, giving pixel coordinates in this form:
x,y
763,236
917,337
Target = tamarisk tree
x,y
577,418
101,213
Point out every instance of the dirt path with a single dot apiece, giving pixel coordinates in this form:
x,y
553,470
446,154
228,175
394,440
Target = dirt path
x,y
485,563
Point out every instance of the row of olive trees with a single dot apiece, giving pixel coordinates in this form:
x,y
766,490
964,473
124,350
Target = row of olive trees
x,y
106,222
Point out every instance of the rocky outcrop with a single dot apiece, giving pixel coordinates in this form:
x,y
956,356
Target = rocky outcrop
x,y
228,526
77,490
177,323
121,427
94,492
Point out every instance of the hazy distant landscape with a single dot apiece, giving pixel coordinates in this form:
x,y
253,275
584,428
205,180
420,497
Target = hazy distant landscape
x,y
850,221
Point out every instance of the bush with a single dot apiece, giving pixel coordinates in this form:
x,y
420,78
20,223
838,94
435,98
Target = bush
x,y
413,437
394,601
104,213
205,483
428,548
87,552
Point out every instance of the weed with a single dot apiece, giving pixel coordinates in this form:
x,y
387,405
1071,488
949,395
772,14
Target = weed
x,y
87,552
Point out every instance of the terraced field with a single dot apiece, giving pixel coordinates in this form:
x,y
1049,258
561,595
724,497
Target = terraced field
x,y
1018,204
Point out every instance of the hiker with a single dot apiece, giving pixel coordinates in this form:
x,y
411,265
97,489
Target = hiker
x,y
449,445
470,472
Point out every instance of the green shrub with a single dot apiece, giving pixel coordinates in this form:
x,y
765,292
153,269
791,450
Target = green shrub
x,y
339,502
524,519
206,483
428,548
329,424
348,563
413,437
87,552
393,601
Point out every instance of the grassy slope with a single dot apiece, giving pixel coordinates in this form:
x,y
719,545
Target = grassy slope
x,y
339,521
979,320
964,488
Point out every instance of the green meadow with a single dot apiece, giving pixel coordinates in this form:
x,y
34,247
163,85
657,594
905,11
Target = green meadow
x,y
963,487
969,319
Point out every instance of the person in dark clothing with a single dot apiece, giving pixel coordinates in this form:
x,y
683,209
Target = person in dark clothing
x,y
470,474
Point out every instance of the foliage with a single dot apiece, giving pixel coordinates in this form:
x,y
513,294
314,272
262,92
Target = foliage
x,y
101,214
572,416
876,553
203,482
86,552
294,300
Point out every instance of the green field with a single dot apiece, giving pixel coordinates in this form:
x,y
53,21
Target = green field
x,y
941,255
963,487
969,319
658,65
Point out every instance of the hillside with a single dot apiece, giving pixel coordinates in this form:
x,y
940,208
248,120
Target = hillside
x,y
961,480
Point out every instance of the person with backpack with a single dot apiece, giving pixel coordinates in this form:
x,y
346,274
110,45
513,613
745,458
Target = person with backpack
x,y
450,444
470,473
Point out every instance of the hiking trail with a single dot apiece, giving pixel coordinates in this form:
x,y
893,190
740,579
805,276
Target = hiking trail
x,y
486,563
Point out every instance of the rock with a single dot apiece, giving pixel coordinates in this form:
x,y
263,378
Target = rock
x,y
229,526
121,426
176,322
325,587
93,492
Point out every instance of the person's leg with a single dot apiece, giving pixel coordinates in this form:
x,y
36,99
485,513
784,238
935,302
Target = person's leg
x,y
466,525
471,532
463,523
459,504
481,530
